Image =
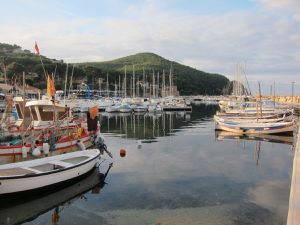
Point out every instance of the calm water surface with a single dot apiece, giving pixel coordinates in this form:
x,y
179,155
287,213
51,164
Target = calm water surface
x,y
177,171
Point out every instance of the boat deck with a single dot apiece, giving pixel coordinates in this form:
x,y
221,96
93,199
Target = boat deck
x,y
43,167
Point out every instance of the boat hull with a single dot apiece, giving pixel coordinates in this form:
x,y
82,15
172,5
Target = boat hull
x,y
9,154
242,129
15,185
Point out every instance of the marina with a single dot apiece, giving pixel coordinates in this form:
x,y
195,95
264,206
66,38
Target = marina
x,y
166,180
150,112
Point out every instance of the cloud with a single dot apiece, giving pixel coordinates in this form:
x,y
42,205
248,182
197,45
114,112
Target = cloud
x,y
267,41
289,5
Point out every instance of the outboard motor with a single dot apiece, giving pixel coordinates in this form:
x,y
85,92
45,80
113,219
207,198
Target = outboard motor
x,y
81,145
99,142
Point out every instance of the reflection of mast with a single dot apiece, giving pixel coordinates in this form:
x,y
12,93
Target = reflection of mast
x,y
108,123
164,123
144,126
55,216
134,126
153,125
257,151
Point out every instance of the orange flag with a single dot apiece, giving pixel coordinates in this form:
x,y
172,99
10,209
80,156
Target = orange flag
x,y
93,112
50,87
36,47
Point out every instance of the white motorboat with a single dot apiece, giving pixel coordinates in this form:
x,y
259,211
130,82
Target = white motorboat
x,y
40,173
125,108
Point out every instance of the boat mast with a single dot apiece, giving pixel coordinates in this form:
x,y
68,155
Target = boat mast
x,y
107,92
170,82
133,81
66,81
119,86
144,85
71,81
153,83
163,84
125,83
157,84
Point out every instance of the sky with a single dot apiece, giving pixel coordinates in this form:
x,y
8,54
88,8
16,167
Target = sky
x,y
209,35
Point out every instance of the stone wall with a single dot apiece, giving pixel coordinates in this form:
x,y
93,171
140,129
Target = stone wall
x,y
285,99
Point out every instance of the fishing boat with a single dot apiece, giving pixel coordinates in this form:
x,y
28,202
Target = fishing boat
x,y
287,116
255,127
42,114
40,173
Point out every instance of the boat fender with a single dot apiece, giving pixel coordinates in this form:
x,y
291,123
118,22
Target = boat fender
x,y
46,148
36,151
24,151
80,145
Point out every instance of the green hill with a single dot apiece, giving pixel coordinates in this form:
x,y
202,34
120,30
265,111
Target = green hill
x,y
188,80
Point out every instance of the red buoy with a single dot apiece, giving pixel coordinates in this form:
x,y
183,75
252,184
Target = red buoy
x,y
122,152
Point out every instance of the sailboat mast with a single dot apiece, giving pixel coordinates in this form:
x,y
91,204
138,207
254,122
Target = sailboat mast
x,y
133,81
144,85
157,92
119,86
107,86
66,80
153,84
163,85
138,87
71,81
170,82
125,83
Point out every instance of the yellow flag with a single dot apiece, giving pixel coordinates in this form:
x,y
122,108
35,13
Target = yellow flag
x,y
50,87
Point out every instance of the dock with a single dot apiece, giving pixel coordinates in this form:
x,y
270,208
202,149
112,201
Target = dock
x,y
294,202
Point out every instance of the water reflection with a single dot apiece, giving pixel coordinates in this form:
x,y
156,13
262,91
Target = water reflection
x,y
183,175
149,126
225,135
20,209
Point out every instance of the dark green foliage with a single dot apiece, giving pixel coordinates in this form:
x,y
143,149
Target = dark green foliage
x,y
188,80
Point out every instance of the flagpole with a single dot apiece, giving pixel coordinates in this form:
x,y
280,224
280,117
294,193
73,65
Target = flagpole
x,y
38,52
43,66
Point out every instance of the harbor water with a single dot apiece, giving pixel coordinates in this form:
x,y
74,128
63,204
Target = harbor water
x,y
177,170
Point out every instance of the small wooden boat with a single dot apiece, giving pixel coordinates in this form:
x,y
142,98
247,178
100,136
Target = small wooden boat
x,y
255,127
275,118
40,173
